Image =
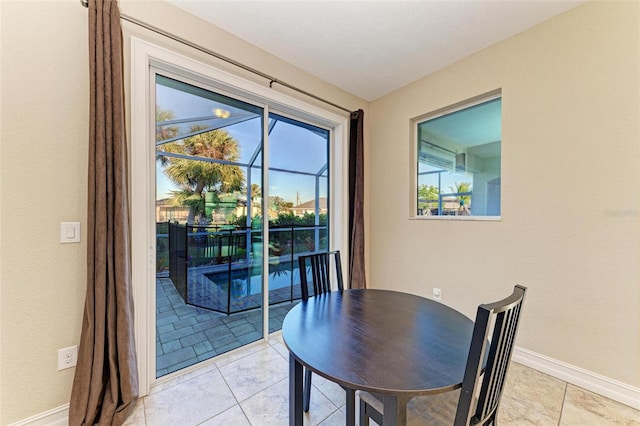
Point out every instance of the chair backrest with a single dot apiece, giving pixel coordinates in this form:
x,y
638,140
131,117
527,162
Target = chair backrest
x,y
504,316
320,272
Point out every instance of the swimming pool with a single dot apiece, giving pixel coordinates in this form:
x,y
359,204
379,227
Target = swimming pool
x,y
240,289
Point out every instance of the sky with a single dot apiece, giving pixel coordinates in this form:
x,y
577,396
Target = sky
x,y
292,147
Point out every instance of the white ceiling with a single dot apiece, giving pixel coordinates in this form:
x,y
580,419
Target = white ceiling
x,y
370,48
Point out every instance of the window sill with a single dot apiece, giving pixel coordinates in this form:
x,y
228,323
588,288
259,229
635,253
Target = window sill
x,y
459,218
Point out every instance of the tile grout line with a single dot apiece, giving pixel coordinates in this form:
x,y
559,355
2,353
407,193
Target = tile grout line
x,y
564,398
238,403
232,394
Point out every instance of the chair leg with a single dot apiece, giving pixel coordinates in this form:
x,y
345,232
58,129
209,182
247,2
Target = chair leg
x,y
364,418
306,392
371,413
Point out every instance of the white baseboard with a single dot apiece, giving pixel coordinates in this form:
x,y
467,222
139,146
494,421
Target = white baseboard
x,y
617,391
612,389
55,417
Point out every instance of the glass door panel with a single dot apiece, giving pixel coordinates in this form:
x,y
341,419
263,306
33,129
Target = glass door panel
x,y
297,206
210,212
209,224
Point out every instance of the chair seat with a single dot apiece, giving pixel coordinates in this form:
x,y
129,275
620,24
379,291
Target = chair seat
x,y
433,410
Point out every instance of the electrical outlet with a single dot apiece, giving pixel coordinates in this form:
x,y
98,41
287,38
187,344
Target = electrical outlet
x,y
437,294
67,357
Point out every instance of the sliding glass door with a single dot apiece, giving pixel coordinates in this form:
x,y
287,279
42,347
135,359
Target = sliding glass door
x,y
223,239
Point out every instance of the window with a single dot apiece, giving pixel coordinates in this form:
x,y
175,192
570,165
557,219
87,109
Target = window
x,y
458,158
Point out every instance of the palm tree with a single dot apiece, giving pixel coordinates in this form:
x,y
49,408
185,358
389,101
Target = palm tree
x,y
164,132
461,188
256,192
195,177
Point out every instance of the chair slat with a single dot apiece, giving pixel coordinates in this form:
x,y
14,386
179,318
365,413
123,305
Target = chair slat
x,y
502,317
320,264
500,351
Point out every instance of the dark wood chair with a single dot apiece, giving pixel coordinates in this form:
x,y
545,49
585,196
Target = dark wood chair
x,y
320,264
497,320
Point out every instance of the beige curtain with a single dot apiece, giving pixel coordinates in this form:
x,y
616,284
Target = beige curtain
x,y
356,198
105,386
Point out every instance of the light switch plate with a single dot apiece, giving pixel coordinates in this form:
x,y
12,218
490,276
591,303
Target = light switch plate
x,y
69,232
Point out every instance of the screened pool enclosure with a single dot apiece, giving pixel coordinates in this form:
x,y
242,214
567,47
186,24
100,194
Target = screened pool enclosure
x,y
224,167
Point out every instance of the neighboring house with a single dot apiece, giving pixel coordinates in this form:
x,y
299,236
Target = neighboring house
x,y
310,207
166,212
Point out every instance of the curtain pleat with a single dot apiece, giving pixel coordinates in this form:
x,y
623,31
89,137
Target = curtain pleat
x,y
356,198
105,386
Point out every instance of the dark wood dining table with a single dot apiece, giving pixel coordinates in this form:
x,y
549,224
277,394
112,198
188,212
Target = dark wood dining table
x,y
394,344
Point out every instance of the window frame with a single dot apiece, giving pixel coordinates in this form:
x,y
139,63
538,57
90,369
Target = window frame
x,y
144,56
413,169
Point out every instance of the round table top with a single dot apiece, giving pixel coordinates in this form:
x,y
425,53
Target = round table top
x,y
380,341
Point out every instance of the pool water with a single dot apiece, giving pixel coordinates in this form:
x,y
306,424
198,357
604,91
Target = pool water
x,y
244,282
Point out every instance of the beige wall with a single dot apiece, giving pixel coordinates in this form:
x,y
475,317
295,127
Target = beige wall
x,y
570,190
45,103
44,128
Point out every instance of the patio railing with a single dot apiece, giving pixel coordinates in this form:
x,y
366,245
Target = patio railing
x,y
221,269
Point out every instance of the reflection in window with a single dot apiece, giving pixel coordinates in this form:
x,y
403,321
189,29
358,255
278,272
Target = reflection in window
x,y
458,161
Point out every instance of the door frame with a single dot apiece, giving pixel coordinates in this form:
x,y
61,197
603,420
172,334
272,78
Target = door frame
x,y
144,55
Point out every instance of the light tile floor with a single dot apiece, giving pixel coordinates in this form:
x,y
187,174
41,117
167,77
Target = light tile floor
x,y
249,386
187,334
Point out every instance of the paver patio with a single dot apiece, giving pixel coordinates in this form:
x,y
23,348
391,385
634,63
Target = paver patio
x,y
186,334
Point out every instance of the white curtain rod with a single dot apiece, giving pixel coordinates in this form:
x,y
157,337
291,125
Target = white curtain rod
x,y
271,79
